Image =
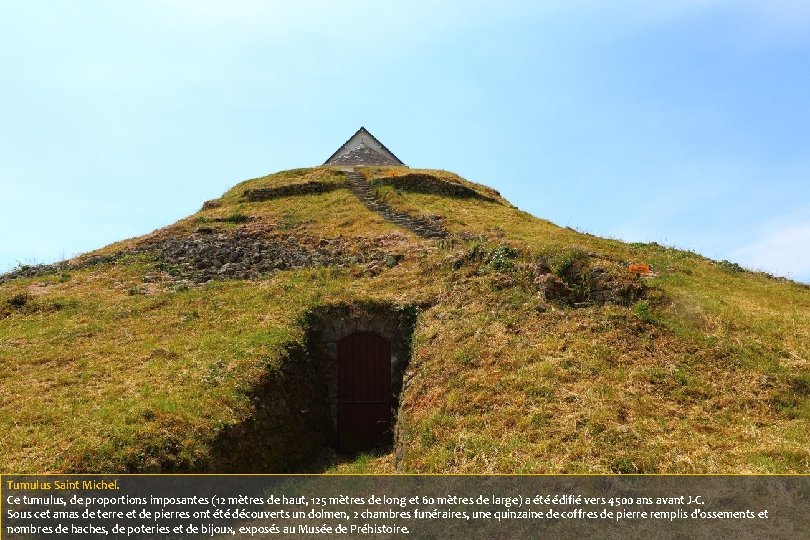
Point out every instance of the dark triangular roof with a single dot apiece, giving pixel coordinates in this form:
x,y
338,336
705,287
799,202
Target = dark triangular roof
x,y
363,148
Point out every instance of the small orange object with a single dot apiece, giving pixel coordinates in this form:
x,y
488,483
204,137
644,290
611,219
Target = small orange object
x,y
641,269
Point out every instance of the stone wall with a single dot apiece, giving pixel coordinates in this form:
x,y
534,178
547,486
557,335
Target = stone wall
x,y
329,324
305,188
426,183
364,156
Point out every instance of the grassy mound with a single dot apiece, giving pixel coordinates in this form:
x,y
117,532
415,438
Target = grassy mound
x,y
124,360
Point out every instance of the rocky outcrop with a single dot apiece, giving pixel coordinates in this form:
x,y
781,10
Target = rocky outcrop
x,y
27,271
236,254
580,284
246,255
213,203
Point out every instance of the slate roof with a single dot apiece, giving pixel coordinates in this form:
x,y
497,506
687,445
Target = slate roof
x,y
353,152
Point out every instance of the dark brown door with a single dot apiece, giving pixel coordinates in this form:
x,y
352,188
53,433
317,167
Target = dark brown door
x,y
364,392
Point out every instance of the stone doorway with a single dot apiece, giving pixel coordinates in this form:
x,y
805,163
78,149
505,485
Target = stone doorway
x,y
361,351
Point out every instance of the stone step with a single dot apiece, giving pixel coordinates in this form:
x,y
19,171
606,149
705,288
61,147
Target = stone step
x,y
366,194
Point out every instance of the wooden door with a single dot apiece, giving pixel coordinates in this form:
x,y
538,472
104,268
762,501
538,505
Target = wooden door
x,y
364,392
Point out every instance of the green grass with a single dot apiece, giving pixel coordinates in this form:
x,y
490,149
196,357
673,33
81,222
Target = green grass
x,y
100,371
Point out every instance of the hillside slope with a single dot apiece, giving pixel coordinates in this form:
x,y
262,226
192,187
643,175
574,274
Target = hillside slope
x,y
532,347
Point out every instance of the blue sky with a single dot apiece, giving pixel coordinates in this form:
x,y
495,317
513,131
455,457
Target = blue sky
x,y
686,123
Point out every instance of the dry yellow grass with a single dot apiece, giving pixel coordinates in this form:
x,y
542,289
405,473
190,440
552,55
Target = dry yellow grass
x,y
710,374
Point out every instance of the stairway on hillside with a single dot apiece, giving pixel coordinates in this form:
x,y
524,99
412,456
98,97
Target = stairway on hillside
x,y
364,191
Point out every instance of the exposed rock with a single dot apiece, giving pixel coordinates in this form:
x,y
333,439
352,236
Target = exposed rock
x,y
236,254
551,288
27,271
246,255
580,285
